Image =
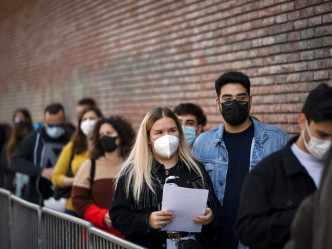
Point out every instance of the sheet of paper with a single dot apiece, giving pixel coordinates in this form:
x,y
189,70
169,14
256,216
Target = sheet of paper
x,y
186,204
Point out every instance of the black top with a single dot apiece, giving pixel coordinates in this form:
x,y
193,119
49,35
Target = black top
x,y
270,196
302,229
131,218
176,176
238,147
34,153
7,176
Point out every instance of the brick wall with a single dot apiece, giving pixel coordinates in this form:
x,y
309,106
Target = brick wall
x,y
133,55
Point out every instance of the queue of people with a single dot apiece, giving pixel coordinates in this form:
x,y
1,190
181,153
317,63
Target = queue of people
x,y
37,154
255,175
15,182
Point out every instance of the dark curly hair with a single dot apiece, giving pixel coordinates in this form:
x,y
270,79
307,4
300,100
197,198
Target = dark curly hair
x,y
125,132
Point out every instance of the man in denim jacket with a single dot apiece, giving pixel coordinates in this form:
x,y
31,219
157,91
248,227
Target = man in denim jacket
x,y
229,151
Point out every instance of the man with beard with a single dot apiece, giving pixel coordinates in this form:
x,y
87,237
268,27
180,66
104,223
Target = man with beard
x,y
229,151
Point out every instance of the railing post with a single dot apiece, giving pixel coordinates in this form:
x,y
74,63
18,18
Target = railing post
x,y
5,219
25,224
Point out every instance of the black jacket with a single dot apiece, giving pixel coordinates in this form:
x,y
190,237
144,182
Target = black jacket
x,y
6,175
34,153
302,230
271,194
131,219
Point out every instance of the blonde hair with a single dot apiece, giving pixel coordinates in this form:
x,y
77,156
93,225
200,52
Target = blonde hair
x,y
139,162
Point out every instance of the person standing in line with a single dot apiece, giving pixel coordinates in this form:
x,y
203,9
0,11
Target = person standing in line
x,y
94,184
5,132
22,126
83,104
192,119
37,153
231,150
160,156
273,191
75,153
312,224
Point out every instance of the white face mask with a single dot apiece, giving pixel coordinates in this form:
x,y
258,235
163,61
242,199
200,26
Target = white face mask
x,y
18,120
166,145
87,125
318,148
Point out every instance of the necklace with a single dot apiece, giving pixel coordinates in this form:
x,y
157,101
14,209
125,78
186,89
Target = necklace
x,y
166,172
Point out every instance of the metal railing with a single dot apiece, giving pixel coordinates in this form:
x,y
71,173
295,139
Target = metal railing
x,y
5,221
26,225
25,229
64,231
100,239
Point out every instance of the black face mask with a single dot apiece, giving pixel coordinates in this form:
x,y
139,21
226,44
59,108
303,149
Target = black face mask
x,y
107,143
235,114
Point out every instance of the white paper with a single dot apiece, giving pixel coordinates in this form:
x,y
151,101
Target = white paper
x,y
186,204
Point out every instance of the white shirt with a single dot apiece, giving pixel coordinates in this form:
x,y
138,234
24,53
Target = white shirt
x,y
313,166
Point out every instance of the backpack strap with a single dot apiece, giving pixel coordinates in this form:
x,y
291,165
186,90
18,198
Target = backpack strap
x,y
92,172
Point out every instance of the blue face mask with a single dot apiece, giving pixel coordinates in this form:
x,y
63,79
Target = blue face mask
x,y
55,132
189,134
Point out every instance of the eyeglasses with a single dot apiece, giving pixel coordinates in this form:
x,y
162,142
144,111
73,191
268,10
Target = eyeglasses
x,y
228,100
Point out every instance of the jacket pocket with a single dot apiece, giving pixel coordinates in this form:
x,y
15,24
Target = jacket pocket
x,y
285,202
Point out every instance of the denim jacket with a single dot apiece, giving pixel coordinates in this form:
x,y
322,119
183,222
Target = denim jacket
x,y
210,149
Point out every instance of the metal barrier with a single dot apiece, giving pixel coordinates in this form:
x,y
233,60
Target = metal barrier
x,y
103,240
25,224
64,231
5,221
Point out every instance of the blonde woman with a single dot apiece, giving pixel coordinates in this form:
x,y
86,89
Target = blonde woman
x,y
160,155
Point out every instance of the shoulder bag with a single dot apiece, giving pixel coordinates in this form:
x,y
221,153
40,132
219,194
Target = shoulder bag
x,y
64,192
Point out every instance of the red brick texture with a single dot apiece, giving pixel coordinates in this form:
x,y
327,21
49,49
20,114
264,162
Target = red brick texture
x,y
132,56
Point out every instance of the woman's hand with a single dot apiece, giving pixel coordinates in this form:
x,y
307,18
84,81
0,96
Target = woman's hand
x,y
107,220
206,219
160,219
68,181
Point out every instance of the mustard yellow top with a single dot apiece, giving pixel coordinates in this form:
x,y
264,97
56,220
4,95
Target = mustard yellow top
x,y
62,165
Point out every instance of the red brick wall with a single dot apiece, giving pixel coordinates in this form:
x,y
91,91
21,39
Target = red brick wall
x,y
135,55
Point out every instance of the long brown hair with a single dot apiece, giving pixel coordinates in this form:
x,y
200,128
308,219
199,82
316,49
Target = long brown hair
x,y
20,130
80,143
